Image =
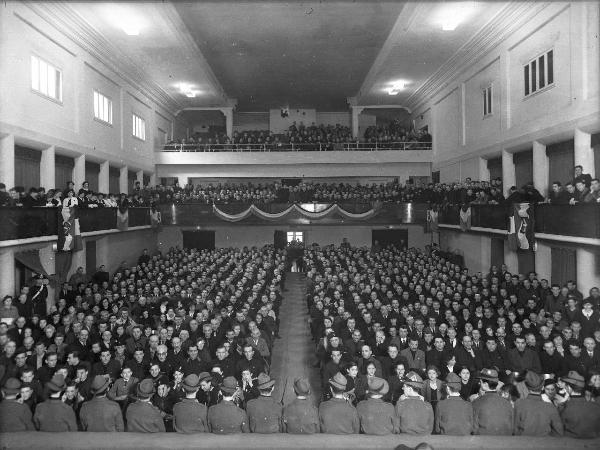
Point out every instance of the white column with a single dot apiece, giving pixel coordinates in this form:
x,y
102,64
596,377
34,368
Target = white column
x,y
584,154
79,172
139,175
587,270
508,171
541,168
510,259
153,179
48,168
486,254
104,177
543,261
7,274
48,260
228,113
123,180
7,156
484,172
356,110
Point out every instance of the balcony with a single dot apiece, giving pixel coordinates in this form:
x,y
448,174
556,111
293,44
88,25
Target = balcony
x,y
298,147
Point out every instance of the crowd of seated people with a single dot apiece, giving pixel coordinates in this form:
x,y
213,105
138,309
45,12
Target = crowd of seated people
x,y
384,135
180,330
410,343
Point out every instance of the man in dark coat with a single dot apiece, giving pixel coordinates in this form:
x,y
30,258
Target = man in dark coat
x,y
492,414
454,416
143,416
336,415
301,416
522,358
14,416
415,414
581,418
100,413
264,413
533,416
467,356
226,417
189,415
491,356
376,416
54,414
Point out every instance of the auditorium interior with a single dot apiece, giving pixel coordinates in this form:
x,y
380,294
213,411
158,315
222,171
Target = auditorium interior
x,y
272,210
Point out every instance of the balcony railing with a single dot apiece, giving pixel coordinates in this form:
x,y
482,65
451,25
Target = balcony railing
x,y
299,147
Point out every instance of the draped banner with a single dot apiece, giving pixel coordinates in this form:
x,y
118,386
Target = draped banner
x,y
326,211
432,220
465,218
122,219
520,227
69,233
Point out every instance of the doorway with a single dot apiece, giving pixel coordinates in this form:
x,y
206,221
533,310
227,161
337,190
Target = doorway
x,y
200,240
398,237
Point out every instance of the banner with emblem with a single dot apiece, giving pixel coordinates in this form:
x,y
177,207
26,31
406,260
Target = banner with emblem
x,y
69,232
521,227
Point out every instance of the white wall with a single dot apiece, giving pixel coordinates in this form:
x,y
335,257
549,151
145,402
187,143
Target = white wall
x,y
476,248
343,118
250,121
280,124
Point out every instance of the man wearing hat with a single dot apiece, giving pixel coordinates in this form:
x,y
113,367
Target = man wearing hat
x,y
100,413
301,416
492,414
533,416
14,416
189,415
53,414
264,413
581,418
415,414
207,394
376,416
226,417
143,416
336,415
454,416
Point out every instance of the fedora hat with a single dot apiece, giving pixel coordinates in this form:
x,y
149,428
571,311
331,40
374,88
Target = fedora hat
x,y
264,381
533,381
378,386
99,384
338,381
414,380
574,379
191,383
12,386
57,383
145,388
301,386
229,386
453,381
488,375
204,376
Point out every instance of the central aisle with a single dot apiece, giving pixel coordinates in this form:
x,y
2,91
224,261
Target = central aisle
x,y
293,354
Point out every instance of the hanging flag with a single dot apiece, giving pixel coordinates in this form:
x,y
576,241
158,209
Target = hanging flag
x,y
465,218
77,240
520,227
69,232
432,220
123,218
155,218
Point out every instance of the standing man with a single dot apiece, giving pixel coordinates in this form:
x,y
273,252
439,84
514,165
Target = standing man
x,y
454,416
264,413
143,416
376,416
189,415
336,415
100,413
300,416
53,414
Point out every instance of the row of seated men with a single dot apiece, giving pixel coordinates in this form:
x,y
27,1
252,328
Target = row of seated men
x,y
172,315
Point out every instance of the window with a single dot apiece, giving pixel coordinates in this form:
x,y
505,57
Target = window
x,y
139,127
102,108
295,236
538,74
46,79
487,101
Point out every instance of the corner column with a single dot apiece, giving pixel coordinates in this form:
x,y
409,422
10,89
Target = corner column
x,y
356,110
584,154
139,176
543,261
79,171
7,156
587,269
48,168
509,177
104,177
228,113
7,274
123,180
541,168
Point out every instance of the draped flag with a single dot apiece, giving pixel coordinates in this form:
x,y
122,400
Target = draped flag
x,y
313,215
432,220
520,227
123,219
465,218
155,219
69,232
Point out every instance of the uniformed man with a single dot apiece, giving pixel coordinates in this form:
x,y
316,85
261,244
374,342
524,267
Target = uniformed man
x,y
533,416
100,413
415,414
14,416
492,414
336,415
301,416
265,413
189,415
453,416
143,416
581,418
376,416
53,414
226,417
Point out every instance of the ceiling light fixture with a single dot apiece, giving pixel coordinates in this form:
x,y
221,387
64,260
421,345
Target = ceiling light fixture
x,y
131,29
396,87
188,90
454,14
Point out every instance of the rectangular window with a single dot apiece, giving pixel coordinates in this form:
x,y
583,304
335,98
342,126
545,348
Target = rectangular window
x,y
487,101
102,108
46,79
295,236
139,127
539,73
